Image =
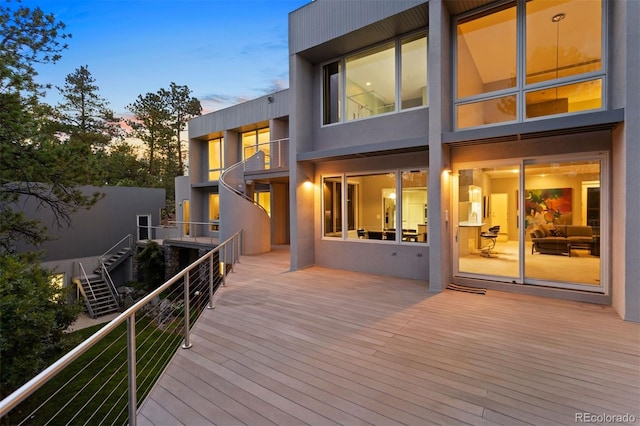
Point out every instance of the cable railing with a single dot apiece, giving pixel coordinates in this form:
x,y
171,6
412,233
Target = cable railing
x,y
267,155
102,380
175,230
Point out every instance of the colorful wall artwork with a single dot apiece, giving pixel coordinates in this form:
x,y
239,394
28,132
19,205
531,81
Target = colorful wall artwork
x,y
544,206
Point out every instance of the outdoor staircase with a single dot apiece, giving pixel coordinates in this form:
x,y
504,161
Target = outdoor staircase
x,y
99,298
114,260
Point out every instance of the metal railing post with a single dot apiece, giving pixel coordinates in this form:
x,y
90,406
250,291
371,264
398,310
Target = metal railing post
x,y
187,343
211,272
11,401
233,252
224,266
131,362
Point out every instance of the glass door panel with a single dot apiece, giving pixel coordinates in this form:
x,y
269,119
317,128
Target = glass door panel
x,y
562,223
487,222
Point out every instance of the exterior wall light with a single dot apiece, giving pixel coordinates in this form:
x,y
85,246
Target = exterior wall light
x,y
308,183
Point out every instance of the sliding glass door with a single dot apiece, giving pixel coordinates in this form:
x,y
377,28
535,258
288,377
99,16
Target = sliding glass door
x,y
486,222
562,223
532,221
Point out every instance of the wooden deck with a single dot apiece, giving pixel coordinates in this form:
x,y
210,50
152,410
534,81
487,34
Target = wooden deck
x,y
327,347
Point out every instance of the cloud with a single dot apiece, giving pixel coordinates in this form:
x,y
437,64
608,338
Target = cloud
x,y
217,101
277,84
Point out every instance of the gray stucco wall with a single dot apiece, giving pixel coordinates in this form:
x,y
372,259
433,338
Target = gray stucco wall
x,y
408,260
94,231
275,105
322,21
440,99
624,33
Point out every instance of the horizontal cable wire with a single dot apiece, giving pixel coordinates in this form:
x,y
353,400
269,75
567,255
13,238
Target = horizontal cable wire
x,y
98,391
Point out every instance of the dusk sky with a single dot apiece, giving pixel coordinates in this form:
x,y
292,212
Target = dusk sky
x,y
225,51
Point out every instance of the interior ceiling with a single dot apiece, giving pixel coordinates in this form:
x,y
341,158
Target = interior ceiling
x,y
589,168
541,59
566,35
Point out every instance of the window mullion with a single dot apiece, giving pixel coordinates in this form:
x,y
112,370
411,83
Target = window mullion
x,y
521,58
398,82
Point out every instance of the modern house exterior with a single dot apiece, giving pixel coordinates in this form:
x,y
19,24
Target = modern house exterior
x,y
107,232
411,127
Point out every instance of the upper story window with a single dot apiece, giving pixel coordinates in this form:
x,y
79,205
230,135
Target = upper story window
x,y
370,82
254,141
383,79
216,158
514,66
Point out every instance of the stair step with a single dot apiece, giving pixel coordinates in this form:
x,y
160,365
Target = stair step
x,y
99,296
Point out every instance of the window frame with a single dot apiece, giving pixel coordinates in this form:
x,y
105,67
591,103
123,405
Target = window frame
x,y
344,204
210,170
521,87
341,64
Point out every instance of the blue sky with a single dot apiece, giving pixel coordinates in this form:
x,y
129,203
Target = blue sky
x,y
225,51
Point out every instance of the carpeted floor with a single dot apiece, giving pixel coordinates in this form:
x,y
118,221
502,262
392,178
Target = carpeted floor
x,y
580,268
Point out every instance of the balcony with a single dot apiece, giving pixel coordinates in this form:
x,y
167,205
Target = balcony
x,y
321,346
270,157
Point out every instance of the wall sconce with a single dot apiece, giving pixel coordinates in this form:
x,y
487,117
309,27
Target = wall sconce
x,y
308,183
270,99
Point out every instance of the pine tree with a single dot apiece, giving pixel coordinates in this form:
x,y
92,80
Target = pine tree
x,y
150,125
182,108
32,162
84,115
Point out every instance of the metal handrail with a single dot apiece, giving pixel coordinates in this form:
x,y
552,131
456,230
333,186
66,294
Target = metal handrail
x,y
84,295
107,278
84,274
179,223
41,379
128,236
223,183
275,144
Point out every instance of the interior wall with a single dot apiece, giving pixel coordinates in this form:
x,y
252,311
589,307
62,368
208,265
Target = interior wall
x,y
551,182
508,186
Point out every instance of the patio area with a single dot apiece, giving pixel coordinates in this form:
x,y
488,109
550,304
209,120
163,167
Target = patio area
x,y
328,347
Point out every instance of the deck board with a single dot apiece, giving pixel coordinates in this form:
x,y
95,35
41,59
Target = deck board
x,y
326,347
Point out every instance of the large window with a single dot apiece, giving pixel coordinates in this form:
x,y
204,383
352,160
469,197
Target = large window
x,y
216,158
383,79
414,205
559,70
254,141
413,72
331,92
263,198
332,206
376,206
214,211
370,83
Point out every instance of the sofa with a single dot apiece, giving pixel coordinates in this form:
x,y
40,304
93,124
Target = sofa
x,y
560,239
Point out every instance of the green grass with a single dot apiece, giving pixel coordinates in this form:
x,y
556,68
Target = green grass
x,y
98,395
